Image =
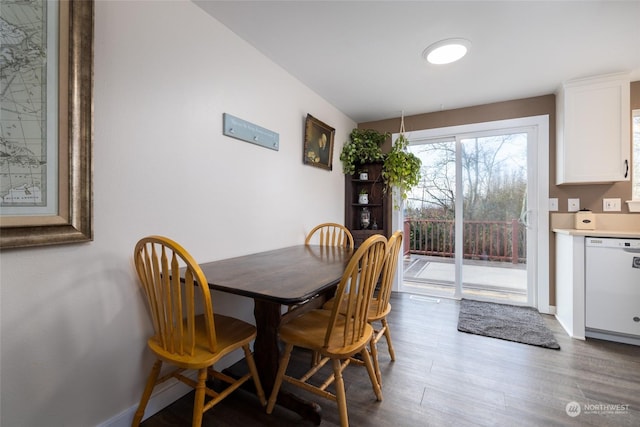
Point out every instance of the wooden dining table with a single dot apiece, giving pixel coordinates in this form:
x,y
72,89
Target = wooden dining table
x,y
298,277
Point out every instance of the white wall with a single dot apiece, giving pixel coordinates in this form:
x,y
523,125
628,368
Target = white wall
x,y
73,323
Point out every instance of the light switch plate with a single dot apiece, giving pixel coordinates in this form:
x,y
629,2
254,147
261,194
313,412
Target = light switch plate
x,y
553,204
573,205
611,205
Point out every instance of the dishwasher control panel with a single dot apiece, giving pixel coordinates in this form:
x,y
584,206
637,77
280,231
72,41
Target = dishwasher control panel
x,y
613,243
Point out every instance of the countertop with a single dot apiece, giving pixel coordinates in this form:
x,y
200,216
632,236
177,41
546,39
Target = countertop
x,y
607,225
623,234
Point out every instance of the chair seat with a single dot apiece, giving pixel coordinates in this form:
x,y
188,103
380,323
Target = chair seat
x,y
372,314
229,332
309,331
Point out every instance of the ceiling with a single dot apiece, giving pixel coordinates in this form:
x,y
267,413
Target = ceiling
x,y
365,57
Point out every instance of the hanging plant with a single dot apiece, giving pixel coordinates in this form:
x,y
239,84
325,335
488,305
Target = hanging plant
x,y
401,169
364,146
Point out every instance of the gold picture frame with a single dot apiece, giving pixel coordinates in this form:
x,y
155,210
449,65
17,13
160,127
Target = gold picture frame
x,y
318,143
73,221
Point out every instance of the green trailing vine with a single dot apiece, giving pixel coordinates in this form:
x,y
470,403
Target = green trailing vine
x,y
401,169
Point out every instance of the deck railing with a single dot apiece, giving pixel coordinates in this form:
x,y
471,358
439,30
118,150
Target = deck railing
x,y
483,240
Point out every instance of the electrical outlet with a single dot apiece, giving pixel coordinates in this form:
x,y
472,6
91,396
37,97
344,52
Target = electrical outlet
x,y
553,204
573,205
611,205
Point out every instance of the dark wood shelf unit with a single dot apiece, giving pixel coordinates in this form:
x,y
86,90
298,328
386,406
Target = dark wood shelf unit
x,y
379,203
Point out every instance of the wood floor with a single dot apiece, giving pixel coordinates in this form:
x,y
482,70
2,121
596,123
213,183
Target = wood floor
x,y
442,377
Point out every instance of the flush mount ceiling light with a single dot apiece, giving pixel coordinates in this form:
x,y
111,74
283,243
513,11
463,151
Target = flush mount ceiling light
x,y
446,51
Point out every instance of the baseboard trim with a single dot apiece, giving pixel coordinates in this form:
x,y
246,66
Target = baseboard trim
x,y
163,396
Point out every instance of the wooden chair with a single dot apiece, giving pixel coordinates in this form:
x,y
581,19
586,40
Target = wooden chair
x,y
330,234
184,339
326,234
380,305
337,335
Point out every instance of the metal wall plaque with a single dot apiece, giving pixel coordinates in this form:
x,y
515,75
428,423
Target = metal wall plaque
x,y
243,130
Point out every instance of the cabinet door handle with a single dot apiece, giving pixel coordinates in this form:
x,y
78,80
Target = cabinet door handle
x,y
626,171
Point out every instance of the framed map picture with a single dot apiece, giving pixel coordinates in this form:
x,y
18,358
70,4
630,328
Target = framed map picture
x,y
46,126
318,143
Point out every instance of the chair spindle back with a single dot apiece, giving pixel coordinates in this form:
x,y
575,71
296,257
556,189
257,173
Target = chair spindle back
x,y
330,234
355,290
172,301
388,272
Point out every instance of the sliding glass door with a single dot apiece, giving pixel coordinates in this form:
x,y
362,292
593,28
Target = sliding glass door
x,y
472,221
494,214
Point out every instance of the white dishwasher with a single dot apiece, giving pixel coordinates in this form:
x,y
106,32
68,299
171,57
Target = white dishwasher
x,y
612,289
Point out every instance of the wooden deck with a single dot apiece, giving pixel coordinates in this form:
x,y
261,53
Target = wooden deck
x,y
431,275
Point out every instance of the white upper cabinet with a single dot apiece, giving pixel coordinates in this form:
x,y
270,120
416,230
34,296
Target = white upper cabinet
x,y
593,124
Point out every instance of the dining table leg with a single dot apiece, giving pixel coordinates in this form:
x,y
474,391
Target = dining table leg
x,y
266,350
267,357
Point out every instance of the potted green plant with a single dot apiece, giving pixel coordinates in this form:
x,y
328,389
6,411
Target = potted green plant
x,y
364,146
401,169
363,197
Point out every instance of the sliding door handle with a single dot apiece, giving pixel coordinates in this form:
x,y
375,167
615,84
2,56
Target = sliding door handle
x,y
524,219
